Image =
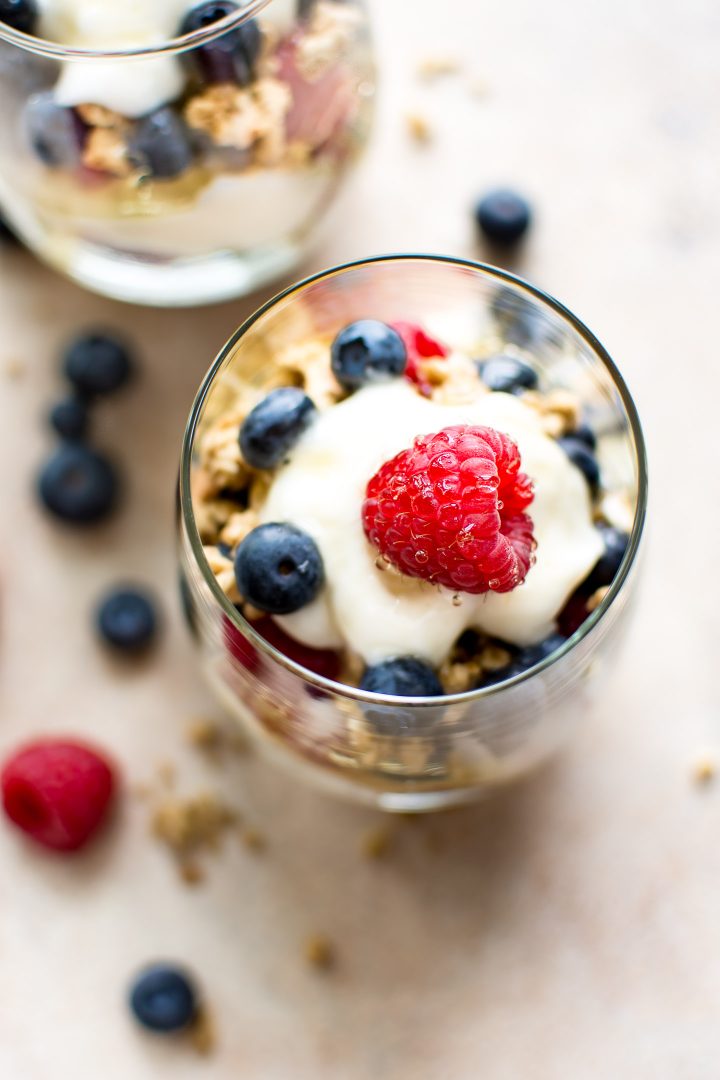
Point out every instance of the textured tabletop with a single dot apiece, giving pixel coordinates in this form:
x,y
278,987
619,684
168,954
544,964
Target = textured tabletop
x,y
568,928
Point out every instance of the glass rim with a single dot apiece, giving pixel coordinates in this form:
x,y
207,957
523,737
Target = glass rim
x,y
55,50
245,627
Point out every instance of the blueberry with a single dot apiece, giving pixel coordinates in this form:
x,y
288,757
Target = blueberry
x,y
20,14
229,58
503,216
507,374
163,998
278,568
78,485
70,418
603,573
530,655
161,144
405,676
583,458
126,620
274,426
97,363
523,659
585,434
54,132
366,351
521,322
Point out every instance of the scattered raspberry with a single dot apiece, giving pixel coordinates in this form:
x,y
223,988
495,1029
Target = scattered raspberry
x,y
450,510
419,346
57,791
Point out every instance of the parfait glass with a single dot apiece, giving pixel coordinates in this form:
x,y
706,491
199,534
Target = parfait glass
x,y
415,754
189,169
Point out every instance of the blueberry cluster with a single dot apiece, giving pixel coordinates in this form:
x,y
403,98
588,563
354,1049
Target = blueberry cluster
x,y
160,144
77,484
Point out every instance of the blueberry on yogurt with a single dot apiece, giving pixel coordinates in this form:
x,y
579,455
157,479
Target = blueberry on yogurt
x,y
507,374
367,351
274,425
278,568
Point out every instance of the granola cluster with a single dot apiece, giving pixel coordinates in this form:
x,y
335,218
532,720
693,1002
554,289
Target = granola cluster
x,y
249,124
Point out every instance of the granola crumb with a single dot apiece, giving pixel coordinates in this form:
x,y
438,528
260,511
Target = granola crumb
x,y
254,840
435,67
327,39
106,150
188,826
419,127
99,117
167,774
15,369
202,1032
205,734
320,952
191,873
705,769
377,843
597,597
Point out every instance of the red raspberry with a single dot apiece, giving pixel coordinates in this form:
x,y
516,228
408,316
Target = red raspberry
x,y
450,510
419,346
57,791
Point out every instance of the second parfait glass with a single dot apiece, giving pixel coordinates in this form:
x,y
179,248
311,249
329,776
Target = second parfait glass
x,y
186,169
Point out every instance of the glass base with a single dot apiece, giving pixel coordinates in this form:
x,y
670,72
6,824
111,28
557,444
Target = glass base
x,y
173,282
153,282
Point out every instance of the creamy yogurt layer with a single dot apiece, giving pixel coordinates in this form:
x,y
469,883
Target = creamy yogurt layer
x,y
379,613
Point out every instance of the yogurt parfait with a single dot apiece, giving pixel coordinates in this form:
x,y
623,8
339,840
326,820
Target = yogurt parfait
x,y
179,151
412,493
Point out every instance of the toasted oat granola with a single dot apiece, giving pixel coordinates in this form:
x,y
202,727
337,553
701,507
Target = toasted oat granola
x,y
331,31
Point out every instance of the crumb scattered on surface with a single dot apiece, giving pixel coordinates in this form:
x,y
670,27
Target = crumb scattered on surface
x,y
320,952
377,842
705,768
190,826
167,774
419,127
202,1031
254,840
15,369
191,872
435,67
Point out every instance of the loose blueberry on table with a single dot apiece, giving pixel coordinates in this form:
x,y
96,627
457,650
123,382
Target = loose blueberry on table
x,y
503,216
127,620
163,998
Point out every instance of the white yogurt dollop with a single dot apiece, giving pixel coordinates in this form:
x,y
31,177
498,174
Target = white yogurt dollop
x,y
381,614
130,87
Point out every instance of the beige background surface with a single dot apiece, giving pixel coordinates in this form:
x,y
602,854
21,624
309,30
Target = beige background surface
x,y
569,929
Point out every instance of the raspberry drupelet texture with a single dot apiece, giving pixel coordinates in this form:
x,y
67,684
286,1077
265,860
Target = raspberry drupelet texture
x,y
451,510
